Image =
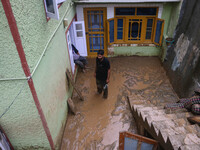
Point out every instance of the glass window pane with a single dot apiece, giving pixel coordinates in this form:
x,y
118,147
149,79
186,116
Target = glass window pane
x,y
158,31
130,144
146,146
147,11
78,26
96,41
79,33
102,43
134,29
124,11
89,21
101,20
50,6
149,22
120,29
111,29
149,29
148,35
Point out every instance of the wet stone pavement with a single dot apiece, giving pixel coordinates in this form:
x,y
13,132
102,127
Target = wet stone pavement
x,y
98,122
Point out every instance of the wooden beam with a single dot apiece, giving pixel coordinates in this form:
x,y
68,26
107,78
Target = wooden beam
x,y
73,84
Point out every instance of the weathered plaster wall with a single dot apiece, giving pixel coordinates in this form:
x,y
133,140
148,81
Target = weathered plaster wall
x,y
182,60
10,65
136,50
51,84
170,15
22,122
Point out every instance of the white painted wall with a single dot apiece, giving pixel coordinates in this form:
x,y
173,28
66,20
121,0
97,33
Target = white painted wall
x,y
125,1
110,8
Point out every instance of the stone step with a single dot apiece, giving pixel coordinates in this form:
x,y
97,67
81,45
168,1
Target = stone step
x,y
190,147
184,139
179,115
181,122
175,111
172,125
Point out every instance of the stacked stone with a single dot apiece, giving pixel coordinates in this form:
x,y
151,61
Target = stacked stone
x,y
169,128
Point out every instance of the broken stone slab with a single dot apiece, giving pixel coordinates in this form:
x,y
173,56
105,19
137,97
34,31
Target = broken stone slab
x,y
137,106
175,111
190,147
191,138
171,116
177,140
193,129
181,122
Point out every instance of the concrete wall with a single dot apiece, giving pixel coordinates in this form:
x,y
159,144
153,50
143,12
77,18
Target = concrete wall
x,y
22,122
182,59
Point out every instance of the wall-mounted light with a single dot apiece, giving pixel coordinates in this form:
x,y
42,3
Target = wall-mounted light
x,y
65,22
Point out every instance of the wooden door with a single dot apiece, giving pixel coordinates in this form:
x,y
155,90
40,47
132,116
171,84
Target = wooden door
x,y
95,23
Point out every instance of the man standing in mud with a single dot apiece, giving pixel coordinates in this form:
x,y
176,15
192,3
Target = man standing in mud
x,y
102,73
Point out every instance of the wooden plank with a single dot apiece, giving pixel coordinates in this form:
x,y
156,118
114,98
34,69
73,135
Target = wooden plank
x,y
73,84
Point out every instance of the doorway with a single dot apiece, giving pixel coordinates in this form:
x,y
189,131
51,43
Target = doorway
x,y
95,25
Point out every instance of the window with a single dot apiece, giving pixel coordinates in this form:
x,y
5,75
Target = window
x,y
51,7
124,11
111,31
136,25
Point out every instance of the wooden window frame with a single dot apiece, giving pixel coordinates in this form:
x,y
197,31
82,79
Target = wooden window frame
x,y
143,39
161,35
108,29
139,138
115,29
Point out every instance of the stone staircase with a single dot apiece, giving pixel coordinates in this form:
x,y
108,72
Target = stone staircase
x,y
170,128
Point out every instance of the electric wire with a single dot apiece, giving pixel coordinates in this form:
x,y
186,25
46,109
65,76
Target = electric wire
x,y
6,110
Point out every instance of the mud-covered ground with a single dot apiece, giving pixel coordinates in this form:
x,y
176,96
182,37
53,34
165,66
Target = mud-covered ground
x,y
98,122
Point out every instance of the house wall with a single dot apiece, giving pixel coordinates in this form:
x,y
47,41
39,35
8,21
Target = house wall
x,y
124,49
182,59
21,122
46,52
171,20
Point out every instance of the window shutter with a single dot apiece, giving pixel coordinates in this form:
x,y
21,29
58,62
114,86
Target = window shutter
x,y
60,1
51,9
158,34
110,31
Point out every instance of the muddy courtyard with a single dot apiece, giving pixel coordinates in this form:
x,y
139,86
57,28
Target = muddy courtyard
x,y
98,122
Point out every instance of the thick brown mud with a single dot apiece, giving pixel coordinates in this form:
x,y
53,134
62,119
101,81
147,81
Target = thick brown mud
x,y
98,122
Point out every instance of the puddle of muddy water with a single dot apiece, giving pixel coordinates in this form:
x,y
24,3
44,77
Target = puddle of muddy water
x,y
99,121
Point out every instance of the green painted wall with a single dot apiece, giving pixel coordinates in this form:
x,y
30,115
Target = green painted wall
x,y
9,61
22,122
176,7
136,50
170,14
